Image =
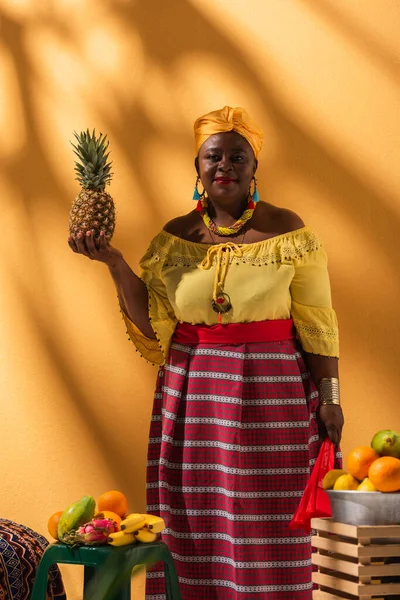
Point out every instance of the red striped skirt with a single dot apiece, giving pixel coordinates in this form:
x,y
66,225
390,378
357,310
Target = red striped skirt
x,y
233,439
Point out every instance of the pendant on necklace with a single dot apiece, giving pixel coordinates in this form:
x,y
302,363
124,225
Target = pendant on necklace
x,y
222,303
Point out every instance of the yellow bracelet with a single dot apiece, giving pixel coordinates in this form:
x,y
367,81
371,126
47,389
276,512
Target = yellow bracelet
x,y
329,392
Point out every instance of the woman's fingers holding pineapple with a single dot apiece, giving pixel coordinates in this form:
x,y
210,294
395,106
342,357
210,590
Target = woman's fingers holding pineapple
x,y
81,244
99,249
71,244
103,243
75,245
91,246
78,245
86,244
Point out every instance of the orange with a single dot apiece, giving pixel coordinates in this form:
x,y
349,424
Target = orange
x,y
52,524
113,501
359,461
108,514
384,473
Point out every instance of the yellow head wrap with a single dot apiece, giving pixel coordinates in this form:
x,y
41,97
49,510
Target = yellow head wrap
x,y
228,119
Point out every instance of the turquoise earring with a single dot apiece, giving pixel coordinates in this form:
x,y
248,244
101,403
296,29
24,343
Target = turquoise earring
x,y
254,196
196,193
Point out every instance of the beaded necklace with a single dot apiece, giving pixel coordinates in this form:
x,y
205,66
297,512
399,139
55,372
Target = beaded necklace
x,y
241,222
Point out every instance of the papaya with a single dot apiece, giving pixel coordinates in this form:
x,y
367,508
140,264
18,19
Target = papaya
x,y
77,514
387,443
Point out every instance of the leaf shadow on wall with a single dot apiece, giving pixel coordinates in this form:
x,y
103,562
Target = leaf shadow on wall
x,y
32,174
373,49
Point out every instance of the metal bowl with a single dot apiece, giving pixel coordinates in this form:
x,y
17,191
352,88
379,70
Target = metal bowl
x,y
365,508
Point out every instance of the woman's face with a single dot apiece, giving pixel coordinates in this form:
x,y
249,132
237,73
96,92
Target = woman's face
x,y
226,165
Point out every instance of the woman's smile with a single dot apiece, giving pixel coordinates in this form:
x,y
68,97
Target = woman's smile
x,y
225,180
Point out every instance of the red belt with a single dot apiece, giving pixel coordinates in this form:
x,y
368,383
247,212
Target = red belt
x,y
235,333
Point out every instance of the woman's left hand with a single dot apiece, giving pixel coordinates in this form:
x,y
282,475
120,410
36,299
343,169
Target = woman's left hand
x,y
330,422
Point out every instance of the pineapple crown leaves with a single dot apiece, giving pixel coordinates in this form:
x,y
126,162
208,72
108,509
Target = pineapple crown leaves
x,y
93,170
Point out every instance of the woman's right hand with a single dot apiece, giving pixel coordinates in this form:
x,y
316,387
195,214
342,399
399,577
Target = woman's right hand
x,y
101,251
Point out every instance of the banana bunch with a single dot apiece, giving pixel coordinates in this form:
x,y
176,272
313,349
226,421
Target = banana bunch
x,y
137,528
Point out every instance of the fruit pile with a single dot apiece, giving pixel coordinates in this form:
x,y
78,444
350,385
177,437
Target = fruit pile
x,y
111,524
374,468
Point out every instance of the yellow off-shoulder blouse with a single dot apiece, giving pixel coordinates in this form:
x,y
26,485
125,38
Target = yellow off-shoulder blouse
x,y
278,278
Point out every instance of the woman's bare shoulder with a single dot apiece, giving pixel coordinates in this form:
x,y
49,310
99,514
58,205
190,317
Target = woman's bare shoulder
x,y
187,227
290,220
282,220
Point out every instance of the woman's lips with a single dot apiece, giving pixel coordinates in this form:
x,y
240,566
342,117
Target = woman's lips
x,y
224,180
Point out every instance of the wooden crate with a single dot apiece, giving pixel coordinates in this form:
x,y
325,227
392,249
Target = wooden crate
x,y
356,562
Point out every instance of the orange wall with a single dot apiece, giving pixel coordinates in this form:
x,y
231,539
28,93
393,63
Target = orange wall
x,y
323,80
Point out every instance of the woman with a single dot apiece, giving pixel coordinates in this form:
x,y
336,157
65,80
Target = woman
x,y
234,428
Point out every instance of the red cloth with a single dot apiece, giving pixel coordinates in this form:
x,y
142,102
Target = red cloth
x,y
235,333
232,442
315,501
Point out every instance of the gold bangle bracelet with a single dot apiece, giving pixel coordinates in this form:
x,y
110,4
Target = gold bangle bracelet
x,y
329,392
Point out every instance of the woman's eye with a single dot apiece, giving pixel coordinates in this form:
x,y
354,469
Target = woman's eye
x,y
213,157
237,158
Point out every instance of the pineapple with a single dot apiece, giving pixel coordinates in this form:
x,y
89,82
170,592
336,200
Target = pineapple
x,y
93,209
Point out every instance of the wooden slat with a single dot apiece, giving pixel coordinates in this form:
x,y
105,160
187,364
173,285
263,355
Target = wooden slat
x,y
323,543
356,532
330,526
379,551
379,570
379,531
380,588
357,589
374,551
344,566
321,595
336,564
335,583
354,550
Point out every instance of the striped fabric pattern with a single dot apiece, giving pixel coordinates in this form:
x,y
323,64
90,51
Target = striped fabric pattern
x,y
233,438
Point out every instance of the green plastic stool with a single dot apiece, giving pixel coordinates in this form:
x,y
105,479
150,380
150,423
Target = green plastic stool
x,y
105,566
